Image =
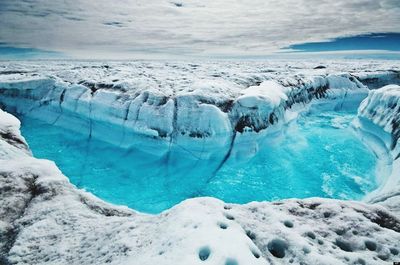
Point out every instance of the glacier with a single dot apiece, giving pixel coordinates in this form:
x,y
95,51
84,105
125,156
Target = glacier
x,y
205,107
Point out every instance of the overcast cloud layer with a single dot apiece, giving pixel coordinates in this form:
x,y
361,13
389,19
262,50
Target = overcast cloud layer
x,y
121,28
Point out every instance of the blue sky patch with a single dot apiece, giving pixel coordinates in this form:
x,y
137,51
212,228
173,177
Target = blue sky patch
x,y
8,52
372,41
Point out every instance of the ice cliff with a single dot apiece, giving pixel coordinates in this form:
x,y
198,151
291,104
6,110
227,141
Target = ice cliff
x,y
46,220
379,119
205,104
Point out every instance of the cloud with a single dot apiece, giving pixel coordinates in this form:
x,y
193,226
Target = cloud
x,y
130,28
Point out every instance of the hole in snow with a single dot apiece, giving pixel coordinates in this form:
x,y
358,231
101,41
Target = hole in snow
x,y
310,235
383,256
277,247
360,261
251,235
204,253
256,254
344,245
370,245
327,214
223,225
229,217
394,251
340,232
288,223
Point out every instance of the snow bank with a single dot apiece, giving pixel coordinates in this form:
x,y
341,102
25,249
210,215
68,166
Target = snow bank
x,y
13,142
382,107
379,117
378,79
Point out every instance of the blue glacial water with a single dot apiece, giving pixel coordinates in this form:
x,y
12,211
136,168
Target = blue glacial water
x,y
317,155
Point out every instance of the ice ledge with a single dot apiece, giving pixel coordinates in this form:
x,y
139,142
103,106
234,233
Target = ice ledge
x,y
379,117
12,142
206,110
46,220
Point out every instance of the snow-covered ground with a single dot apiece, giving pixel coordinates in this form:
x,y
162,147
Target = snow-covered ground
x,y
46,220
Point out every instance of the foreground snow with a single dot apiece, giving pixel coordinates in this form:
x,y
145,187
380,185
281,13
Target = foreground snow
x,y
46,220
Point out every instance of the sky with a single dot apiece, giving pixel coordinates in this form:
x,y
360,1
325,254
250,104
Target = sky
x,y
130,29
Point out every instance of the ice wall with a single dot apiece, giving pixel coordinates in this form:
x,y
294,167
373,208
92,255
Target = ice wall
x,y
379,119
202,117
